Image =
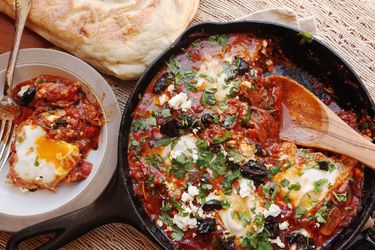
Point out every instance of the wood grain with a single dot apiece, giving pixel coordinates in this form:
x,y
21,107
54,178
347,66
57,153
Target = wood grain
x,y
307,121
29,39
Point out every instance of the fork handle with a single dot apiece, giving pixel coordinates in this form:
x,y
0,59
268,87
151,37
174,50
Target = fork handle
x,y
22,10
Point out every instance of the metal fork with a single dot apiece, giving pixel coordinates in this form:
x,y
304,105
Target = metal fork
x,y
8,108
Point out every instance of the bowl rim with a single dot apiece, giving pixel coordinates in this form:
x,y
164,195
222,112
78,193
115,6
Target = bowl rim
x,y
111,111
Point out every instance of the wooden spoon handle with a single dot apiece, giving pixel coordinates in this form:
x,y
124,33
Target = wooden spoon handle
x,y
341,138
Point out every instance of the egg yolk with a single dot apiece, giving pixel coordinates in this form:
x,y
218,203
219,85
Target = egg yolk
x,y
55,151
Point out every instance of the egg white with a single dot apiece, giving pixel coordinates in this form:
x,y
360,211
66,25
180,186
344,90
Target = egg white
x,y
32,168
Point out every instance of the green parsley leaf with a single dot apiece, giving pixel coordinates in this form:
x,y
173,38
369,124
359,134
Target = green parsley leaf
x,y
163,142
285,183
273,171
207,77
142,124
208,97
234,157
218,140
318,185
295,186
331,167
40,81
218,165
36,162
177,234
165,113
174,65
201,144
321,214
300,211
306,37
340,197
228,122
19,138
180,165
222,40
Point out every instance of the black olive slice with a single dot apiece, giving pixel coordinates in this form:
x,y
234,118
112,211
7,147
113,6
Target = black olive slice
x,y
254,170
227,243
259,151
207,119
323,165
28,96
212,205
206,226
162,84
242,66
301,241
170,128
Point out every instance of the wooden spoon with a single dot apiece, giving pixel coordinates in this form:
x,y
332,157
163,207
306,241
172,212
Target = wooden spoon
x,y
307,121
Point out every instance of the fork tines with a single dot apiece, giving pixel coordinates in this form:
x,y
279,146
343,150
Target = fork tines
x,y
6,134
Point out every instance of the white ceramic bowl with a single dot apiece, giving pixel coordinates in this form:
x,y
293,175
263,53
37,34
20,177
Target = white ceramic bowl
x,y
18,209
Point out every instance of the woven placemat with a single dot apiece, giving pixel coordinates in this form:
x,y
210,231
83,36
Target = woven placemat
x,y
347,26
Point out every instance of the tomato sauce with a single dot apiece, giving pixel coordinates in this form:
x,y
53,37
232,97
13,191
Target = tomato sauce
x,y
235,126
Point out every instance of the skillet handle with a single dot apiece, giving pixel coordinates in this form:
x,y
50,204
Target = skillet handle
x,y
112,206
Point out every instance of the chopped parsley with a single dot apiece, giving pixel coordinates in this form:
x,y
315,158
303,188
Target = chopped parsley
x,y
228,122
273,171
165,113
285,183
318,185
163,142
221,40
257,241
36,162
201,144
340,197
321,214
218,140
331,167
218,164
40,81
180,165
207,77
229,178
142,124
177,234
154,160
295,186
208,97
306,37
300,211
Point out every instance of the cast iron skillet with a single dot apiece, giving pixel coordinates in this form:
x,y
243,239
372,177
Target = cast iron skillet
x,y
118,203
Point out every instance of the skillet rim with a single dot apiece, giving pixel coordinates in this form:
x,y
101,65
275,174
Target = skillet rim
x,y
142,84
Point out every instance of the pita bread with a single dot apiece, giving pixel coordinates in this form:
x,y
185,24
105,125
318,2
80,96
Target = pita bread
x,y
119,37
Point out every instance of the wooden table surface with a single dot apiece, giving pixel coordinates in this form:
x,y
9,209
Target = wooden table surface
x,y
29,38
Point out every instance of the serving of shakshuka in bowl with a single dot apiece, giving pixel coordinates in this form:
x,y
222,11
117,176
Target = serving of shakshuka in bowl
x,y
58,126
209,167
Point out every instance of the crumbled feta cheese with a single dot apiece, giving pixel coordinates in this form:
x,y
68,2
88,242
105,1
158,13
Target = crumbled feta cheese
x,y
184,222
180,101
284,225
170,88
163,98
23,89
193,190
273,211
246,188
185,197
190,194
277,241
